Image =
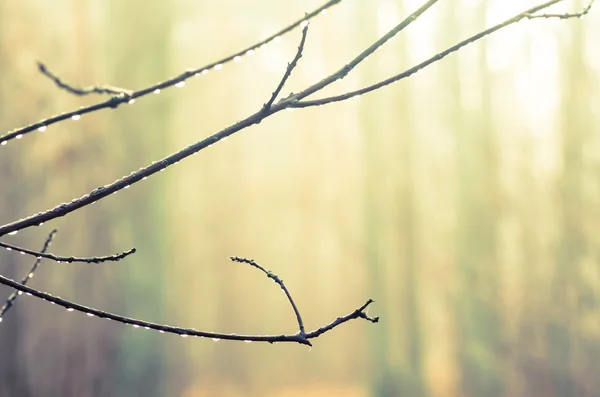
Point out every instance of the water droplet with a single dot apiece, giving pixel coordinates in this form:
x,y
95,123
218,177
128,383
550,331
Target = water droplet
x,y
42,128
30,275
3,143
135,326
277,39
247,341
19,136
204,71
324,11
180,84
127,187
90,314
237,58
70,309
41,223
218,66
161,331
304,24
184,335
131,101
216,339
13,233
76,117
144,178
262,47
8,249
249,52
157,91
146,327
197,75
20,293
22,253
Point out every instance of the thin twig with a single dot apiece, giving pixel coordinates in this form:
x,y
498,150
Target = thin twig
x,y
81,91
422,65
580,14
117,100
279,281
288,70
303,339
67,259
11,299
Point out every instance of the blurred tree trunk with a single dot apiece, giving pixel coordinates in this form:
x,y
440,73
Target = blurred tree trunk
x,y
136,59
476,158
390,213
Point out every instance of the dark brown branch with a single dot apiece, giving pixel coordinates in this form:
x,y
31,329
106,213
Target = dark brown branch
x,y
279,281
67,259
117,100
288,70
11,299
435,58
81,91
301,338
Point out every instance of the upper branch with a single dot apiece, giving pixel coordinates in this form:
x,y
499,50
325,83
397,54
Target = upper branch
x,y
129,97
528,14
290,102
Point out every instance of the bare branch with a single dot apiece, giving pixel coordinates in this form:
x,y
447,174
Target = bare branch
x,y
11,299
279,281
580,14
301,338
68,259
94,89
340,74
409,72
288,70
122,98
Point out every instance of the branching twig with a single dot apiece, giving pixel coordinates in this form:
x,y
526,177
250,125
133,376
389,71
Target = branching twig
x,y
121,98
435,58
68,259
94,89
300,337
288,70
11,299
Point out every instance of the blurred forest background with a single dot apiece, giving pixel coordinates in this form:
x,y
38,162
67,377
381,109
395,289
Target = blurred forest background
x,y
464,200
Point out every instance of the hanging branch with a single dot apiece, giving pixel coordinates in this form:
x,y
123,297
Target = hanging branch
x,y
67,259
127,96
11,299
301,337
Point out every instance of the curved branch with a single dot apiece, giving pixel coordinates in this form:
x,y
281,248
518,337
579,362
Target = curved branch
x,y
301,338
